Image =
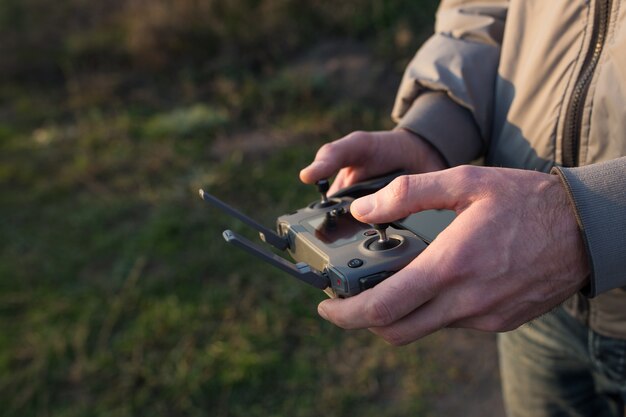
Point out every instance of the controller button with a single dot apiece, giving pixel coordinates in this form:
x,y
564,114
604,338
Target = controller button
x,y
355,263
371,232
373,280
338,281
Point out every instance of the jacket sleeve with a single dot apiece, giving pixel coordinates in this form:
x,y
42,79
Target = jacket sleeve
x,y
446,94
598,192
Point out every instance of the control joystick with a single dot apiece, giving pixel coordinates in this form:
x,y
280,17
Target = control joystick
x,y
322,187
384,242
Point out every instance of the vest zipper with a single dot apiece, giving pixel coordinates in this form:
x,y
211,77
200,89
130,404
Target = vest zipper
x,y
574,115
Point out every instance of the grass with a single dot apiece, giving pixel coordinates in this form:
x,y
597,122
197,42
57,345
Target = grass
x,y
118,296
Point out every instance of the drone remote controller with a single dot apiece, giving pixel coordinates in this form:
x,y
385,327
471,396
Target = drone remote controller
x,y
333,251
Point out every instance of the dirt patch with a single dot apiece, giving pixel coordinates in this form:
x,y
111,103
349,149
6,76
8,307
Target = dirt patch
x,y
469,385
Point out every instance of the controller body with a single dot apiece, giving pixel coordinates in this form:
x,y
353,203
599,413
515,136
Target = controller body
x,y
332,250
330,240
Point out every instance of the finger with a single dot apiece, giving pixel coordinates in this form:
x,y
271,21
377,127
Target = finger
x,y
447,189
450,305
345,178
387,302
429,318
331,157
342,180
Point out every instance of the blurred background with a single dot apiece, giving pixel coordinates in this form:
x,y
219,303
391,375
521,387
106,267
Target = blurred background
x,y
118,296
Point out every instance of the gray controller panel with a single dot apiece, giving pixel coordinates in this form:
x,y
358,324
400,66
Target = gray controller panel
x,y
335,252
330,240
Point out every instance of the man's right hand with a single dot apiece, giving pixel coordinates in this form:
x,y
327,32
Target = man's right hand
x,y
362,155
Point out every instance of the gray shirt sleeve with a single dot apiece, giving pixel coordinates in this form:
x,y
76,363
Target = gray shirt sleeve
x,y
598,192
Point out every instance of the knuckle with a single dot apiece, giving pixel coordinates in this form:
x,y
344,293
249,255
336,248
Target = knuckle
x,y
479,303
458,266
340,321
509,326
470,177
492,323
481,308
508,322
465,173
359,135
394,338
326,150
378,313
399,189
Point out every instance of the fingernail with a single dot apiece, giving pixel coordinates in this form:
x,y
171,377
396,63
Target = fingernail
x,y
322,311
362,206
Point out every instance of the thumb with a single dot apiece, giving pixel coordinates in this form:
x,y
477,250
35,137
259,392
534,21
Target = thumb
x,y
410,194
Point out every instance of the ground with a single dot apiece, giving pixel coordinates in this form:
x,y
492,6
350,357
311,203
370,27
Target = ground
x,y
469,360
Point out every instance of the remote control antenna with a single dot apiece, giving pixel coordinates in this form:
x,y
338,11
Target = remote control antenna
x,y
266,234
301,270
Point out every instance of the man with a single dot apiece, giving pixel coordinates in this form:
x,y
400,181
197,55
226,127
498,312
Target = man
x,y
538,87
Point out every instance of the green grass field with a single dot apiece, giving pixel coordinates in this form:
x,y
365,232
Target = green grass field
x,y
118,296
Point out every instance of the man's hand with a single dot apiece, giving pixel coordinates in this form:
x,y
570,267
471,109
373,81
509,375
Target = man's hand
x,y
363,155
513,252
